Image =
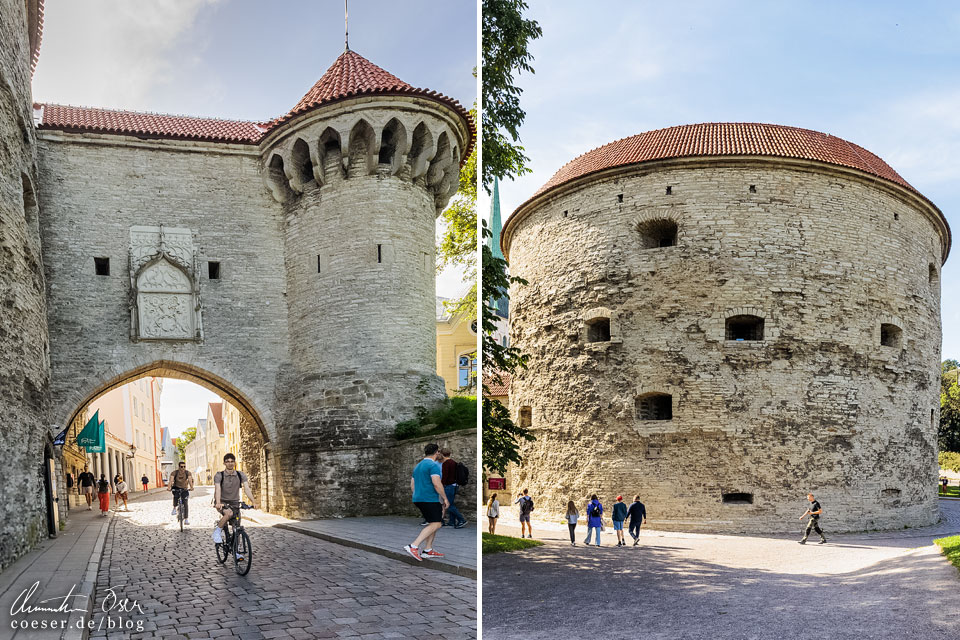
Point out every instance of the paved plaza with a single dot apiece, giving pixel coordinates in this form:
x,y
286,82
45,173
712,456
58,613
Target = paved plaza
x,y
693,586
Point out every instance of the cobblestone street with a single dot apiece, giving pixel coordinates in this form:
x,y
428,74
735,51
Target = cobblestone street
x,y
298,586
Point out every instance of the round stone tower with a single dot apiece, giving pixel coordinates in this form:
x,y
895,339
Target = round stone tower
x,y
362,165
723,318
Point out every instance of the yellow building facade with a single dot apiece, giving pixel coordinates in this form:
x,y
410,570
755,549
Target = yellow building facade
x,y
456,349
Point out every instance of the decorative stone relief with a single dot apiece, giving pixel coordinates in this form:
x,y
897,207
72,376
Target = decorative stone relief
x,y
165,296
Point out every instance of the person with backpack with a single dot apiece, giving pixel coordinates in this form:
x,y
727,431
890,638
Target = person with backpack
x,y
638,515
103,492
525,503
619,515
594,519
430,498
144,481
452,472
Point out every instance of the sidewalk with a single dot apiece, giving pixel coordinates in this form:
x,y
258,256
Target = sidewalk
x,y
57,565
386,535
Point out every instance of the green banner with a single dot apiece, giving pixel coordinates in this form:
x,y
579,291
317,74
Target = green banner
x,y
91,438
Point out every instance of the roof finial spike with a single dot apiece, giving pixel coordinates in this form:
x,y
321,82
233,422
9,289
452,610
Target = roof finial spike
x,y
346,29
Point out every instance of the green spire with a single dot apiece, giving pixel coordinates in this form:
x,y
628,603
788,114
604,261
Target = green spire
x,y
495,224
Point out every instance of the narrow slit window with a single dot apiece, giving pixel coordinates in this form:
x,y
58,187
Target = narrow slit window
x,y
379,254
737,498
319,263
654,406
619,197
669,191
932,274
598,330
742,328
102,266
213,270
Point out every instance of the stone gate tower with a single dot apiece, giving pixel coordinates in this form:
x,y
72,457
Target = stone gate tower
x,y
724,317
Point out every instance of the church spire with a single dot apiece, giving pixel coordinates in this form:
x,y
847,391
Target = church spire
x,y
495,224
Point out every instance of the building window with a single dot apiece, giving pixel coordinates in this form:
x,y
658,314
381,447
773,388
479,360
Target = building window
x,y
740,328
737,498
525,419
598,330
467,370
890,335
932,275
657,233
654,406
213,270
102,266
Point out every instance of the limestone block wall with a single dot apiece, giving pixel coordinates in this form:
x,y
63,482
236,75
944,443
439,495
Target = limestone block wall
x,y
24,348
824,257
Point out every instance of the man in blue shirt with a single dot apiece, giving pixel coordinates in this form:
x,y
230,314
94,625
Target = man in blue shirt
x,y
429,496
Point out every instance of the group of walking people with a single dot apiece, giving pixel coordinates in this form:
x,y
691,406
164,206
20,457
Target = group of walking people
x,y
434,483
88,483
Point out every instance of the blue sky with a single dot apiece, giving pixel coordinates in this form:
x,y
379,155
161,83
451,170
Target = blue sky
x,y
884,75
244,60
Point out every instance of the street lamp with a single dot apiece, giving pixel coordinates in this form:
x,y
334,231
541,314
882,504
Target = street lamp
x,y
132,452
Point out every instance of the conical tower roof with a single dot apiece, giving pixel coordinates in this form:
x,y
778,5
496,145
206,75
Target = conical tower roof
x,y
495,223
352,75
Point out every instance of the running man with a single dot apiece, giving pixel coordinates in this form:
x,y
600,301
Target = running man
x,y
226,493
180,485
430,499
814,512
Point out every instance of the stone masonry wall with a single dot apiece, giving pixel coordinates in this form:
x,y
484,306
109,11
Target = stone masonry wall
x,y
407,453
818,405
24,367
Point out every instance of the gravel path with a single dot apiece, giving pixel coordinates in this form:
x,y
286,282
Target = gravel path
x,y
693,586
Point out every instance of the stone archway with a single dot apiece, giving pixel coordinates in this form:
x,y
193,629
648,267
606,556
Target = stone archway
x,y
257,431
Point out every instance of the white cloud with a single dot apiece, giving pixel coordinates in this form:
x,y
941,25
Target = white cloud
x,y
135,48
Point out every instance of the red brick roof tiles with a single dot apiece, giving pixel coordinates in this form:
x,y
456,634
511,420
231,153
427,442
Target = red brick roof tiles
x,y
153,125
216,409
350,75
497,390
725,139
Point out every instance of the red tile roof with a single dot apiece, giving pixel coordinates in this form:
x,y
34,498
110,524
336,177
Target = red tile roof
x,y
150,125
725,139
495,390
216,408
353,75
350,75
35,26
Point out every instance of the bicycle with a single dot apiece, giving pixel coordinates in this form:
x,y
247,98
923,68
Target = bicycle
x,y
180,509
237,542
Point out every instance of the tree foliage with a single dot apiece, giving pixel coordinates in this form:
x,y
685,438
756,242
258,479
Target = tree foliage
x,y
185,438
948,431
458,244
501,437
506,36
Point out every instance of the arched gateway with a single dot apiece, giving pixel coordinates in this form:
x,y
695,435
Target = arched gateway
x,y
287,265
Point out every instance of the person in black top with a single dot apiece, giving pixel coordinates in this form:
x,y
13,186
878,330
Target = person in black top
x,y
85,480
638,515
814,512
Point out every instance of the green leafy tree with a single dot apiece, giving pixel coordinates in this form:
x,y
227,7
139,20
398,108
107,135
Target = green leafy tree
x,y
185,438
458,244
948,431
501,436
506,37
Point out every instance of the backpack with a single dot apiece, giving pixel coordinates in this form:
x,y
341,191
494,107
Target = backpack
x,y
462,474
595,511
103,486
526,506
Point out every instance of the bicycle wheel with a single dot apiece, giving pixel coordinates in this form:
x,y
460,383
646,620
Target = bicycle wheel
x,y
180,514
223,548
242,548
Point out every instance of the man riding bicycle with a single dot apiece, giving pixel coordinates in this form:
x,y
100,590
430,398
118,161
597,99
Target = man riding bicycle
x,y
226,493
181,484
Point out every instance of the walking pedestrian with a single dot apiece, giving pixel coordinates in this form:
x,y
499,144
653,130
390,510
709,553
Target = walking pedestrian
x,y
87,481
493,512
618,516
814,512
144,481
103,492
116,497
572,516
526,508
448,477
638,515
430,499
594,519
122,493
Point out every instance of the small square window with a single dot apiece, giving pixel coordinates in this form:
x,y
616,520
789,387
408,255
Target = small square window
x,y
102,266
213,270
598,330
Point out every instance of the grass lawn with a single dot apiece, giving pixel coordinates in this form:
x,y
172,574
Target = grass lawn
x,y
953,491
950,548
496,544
